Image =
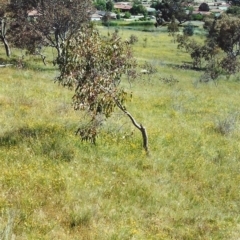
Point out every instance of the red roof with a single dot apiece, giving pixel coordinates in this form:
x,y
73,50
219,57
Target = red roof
x,y
122,6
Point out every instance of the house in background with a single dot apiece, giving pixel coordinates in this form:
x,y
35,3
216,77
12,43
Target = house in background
x,y
98,15
123,6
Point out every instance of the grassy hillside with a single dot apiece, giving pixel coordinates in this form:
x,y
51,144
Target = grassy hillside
x,y
53,186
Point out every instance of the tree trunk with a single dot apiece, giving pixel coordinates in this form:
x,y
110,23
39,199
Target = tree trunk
x,y
138,126
145,137
3,38
7,48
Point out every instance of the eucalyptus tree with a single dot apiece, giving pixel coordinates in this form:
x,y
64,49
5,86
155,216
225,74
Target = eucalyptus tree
x,y
220,53
224,32
93,68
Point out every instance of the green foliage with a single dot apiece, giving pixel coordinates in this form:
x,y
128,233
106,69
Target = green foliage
x,y
109,5
197,17
138,9
100,5
188,30
234,10
225,32
222,37
127,15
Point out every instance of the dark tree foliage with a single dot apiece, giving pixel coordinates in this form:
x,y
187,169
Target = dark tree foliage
x,y
109,5
168,9
188,30
138,9
234,10
235,2
204,7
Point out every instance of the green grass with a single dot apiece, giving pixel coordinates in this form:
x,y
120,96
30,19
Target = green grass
x,y
53,186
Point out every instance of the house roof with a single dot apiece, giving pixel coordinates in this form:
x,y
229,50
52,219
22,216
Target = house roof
x,y
122,6
95,15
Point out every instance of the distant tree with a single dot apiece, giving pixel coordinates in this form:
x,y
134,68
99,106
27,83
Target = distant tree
x,y
188,29
100,5
55,21
234,10
24,37
173,28
127,15
138,8
204,7
109,5
225,32
220,53
106,19
183,41
169,8
93,69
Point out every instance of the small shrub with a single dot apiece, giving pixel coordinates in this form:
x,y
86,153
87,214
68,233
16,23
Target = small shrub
x,y
133,39
150,69
80,218
188,30
227,125
127,15
145,42
169,80
197,17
